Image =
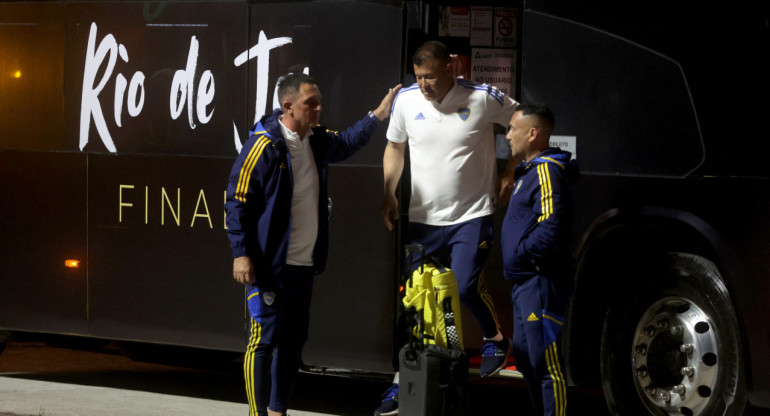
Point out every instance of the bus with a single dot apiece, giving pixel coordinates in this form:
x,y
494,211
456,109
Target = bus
x,y
120,122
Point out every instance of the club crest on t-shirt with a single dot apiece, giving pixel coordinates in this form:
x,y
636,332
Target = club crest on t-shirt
x,y
464,113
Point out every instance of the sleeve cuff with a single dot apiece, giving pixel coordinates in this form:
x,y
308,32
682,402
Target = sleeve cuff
x,y
239,251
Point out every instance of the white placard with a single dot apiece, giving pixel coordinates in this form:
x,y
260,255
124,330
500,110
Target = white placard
x,y
481,26
505,27
568,143
494,67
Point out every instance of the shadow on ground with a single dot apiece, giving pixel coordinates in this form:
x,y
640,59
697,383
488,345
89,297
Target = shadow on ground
x,y
218,376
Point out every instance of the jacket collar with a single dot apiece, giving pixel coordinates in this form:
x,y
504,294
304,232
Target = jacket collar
x,y
270,124
553,155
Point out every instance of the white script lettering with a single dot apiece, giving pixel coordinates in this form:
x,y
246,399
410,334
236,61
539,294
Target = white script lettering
x,y
182,89
190,89
90,107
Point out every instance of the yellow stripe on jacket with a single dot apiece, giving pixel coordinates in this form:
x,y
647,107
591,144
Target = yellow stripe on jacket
x,y
248,167
546,193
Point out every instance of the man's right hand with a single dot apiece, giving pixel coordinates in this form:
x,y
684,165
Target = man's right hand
x,y
243,270
389,208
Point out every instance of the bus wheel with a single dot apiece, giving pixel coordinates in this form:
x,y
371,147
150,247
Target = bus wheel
x,y
674,349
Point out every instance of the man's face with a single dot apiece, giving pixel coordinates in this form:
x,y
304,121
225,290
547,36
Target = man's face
x,y
519,134
306,108
434,78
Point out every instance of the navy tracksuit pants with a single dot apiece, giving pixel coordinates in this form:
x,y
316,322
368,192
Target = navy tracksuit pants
x,y
539,306
280,317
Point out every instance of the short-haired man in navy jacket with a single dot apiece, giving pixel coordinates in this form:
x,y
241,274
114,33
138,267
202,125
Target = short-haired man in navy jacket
x,y
535,243
277,220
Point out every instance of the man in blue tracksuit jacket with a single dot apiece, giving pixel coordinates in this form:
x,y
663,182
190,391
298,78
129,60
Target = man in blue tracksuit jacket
x,y
535,242
277,223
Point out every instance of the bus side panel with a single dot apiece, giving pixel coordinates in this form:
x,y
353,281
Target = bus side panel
x,y
601,89
152,94
352,311
32,52
43,213
160,265
42,224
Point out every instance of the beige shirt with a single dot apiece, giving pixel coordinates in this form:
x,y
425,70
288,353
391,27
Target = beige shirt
x,y
304,203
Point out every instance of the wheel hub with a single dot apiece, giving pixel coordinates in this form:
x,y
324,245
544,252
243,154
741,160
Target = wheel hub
x,y
675,357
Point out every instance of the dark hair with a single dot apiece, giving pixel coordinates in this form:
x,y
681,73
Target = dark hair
x,y
541,111
290,84
430,50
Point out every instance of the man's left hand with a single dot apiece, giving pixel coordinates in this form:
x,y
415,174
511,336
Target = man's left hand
x,y
506,188
383,111
506,181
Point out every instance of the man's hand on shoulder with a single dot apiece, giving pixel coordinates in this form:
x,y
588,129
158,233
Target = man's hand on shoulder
x,y
383,111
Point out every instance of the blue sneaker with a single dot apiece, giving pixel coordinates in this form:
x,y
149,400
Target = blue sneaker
x,y
494,355
389,405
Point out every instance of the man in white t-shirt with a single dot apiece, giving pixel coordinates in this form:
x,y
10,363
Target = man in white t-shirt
x,y
448,124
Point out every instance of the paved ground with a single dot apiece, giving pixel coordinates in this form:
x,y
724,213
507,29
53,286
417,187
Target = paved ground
x,y
38,379
34,397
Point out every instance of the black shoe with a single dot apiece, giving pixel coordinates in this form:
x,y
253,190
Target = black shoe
x,y
389,405
494,355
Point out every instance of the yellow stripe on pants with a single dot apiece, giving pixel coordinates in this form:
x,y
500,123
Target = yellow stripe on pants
x,y
557,376
248,366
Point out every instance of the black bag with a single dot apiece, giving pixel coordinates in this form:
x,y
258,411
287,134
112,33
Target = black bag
x,y
432,381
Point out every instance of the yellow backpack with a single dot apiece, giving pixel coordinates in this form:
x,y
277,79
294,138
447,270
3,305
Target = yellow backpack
x,y
432,304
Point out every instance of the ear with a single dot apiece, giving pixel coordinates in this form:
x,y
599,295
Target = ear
x,y
286,107
533,134
449,68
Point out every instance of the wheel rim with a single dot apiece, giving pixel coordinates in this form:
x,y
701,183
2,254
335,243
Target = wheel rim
x,y
675,357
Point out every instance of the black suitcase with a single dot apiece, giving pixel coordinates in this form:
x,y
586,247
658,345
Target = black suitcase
x,y
432,381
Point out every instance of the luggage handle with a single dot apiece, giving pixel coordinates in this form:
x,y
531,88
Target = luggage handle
x,y
414,319
410,249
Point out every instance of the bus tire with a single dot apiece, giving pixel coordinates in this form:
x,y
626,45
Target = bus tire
x,y
673,348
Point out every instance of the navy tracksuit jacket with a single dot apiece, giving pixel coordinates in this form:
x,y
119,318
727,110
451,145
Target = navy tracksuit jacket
x,y
259,191
535,243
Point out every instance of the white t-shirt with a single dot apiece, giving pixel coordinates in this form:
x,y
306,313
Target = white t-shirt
x,y
451,149
304,203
